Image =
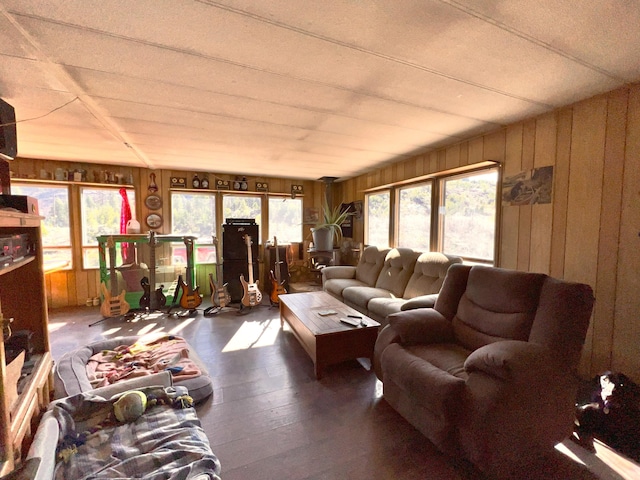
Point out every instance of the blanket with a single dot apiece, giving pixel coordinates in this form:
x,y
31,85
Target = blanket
x,y
165,442
147,356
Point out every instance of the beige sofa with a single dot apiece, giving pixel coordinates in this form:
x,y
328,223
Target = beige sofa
x,y
489,373
387,281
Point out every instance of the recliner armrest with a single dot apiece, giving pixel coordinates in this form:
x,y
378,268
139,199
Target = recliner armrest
x,y
338,271
514,360
421,325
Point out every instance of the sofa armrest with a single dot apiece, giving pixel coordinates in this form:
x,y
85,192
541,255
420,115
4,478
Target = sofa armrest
x,y
421,325
520,396
515,361
338,271
386,337
422,301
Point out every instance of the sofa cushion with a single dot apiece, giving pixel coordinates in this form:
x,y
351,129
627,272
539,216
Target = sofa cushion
x,y
428,273
398,267
422,301
497,305
336,286
370,264
382,306
445,356
430,386
361,296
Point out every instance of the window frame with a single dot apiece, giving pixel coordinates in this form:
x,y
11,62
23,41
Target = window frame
x,y
71,247
436,179
81,212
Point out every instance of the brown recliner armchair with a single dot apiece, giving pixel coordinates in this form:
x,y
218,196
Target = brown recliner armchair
x,y
489,372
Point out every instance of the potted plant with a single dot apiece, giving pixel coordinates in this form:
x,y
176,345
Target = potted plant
x,y
328,230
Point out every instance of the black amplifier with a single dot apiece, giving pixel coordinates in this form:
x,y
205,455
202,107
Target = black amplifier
x,y
240,221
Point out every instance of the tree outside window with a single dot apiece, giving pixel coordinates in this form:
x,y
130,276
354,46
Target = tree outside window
x,y
285,219
100,211
414,217
378,209
53,205
194,214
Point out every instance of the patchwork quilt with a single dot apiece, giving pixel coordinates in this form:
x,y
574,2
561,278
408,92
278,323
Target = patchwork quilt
x,y
166,442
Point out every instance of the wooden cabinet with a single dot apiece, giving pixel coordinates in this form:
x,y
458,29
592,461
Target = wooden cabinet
x,y
23,298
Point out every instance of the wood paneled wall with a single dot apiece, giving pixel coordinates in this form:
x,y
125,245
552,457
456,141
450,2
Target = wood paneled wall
x,y
590,231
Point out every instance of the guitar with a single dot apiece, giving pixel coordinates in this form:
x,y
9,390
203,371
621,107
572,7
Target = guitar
x,y
157,300
190,298
277,283
252,296
113,305
219,294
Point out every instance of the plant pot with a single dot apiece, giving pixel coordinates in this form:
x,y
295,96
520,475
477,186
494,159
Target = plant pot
x,y
322,239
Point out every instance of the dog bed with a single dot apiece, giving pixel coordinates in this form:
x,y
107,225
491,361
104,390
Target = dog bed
x,y
119,360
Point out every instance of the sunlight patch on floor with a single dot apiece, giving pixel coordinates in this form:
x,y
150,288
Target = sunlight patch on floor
x,y
56,326
623,467
254,335
146,329
562,448
181,326
111,331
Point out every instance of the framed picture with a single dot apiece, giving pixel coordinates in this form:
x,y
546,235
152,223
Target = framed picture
x,y
310,215
153,202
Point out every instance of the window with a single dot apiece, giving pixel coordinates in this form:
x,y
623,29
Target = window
x,y
285,219
468,215
53,204
194,214
101,211
414,217
243,206
378,210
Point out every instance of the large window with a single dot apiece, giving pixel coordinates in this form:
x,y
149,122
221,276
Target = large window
x,y
378,209
243,206
452,213
414,217
194,214
468,215
285,219
101,215
53,205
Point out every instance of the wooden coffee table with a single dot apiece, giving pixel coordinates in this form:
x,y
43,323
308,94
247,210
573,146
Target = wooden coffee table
x,y
325,338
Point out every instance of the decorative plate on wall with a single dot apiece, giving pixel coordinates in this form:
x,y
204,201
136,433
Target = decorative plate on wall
x,y
153,202
153,220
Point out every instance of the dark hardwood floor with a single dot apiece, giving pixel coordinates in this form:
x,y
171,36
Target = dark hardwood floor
x,y
269,418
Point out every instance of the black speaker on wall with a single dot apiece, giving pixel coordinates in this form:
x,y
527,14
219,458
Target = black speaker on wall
x,y
234,246
235,255
8,138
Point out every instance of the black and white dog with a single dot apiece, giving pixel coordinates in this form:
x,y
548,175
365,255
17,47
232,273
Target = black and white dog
x,y
611,414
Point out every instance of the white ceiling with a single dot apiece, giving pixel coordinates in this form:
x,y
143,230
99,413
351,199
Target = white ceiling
x,y
298,88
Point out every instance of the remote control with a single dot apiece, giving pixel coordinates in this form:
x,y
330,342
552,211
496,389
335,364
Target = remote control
x,y
350,321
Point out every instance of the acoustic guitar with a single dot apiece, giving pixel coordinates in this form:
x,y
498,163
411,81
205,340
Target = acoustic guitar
x,y
191,297
219,293
113,305
252,295
277,284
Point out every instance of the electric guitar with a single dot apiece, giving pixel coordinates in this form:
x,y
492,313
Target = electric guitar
x,y
277,283
157,300
252,296
190,298
113,305
219,293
